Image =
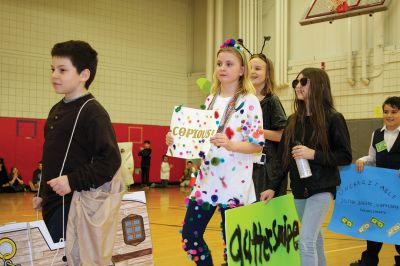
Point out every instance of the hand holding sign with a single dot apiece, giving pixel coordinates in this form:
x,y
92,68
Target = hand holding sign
x,y
169,139
221,140
359,166
267,195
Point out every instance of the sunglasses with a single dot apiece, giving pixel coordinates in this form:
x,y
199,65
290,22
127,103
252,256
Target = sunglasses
x,y
303,82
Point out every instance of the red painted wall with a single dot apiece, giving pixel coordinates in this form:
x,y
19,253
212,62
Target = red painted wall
x,y
21,142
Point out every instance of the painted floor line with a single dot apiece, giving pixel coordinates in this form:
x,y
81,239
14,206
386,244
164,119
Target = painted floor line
x,y
335,250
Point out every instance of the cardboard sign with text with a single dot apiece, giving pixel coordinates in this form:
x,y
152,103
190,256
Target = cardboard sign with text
x,y
30,243
263,234
191,130
367,204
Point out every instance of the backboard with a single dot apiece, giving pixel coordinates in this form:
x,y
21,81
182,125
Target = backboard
x,y
329,10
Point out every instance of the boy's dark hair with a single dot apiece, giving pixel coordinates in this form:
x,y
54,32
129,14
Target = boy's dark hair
x,y
189,162
81,54
146,141
393,101
164,156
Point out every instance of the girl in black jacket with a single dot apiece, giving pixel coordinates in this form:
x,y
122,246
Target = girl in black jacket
x,y
325,143
262,76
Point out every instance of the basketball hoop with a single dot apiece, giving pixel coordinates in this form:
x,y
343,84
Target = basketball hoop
x,y
330,10
338,6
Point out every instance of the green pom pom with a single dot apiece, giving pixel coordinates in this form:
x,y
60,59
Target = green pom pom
x,y
215,161
205,206
204,85
178,108
203,107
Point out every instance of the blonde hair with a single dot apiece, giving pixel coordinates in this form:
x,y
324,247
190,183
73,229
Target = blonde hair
x,y
245,86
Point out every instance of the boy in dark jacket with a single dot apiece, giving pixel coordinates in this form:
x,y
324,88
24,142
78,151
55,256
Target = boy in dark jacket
x,y
93,156
145,153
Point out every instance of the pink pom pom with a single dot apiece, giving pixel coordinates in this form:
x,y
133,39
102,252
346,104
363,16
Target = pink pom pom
x,y
187,201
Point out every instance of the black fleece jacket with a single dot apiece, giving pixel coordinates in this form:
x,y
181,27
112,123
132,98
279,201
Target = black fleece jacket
x,y
325,168
93,157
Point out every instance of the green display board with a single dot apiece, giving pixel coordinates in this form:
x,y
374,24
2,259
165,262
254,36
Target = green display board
x,y
263,234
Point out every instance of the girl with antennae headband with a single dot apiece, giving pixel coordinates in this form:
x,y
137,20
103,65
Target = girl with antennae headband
x,y
225,175
325,143
262,76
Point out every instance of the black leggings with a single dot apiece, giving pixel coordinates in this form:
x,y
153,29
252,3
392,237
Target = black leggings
x,y
195,224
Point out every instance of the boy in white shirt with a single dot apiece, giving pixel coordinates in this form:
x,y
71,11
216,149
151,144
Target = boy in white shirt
x,y
383,152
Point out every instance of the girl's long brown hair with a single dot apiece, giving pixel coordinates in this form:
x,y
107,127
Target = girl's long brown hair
x,y
320,102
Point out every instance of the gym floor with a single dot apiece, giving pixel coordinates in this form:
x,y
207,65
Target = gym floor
x,y
166,211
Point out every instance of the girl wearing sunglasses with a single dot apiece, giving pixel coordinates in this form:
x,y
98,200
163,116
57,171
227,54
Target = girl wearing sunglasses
x,y
326,145
262,76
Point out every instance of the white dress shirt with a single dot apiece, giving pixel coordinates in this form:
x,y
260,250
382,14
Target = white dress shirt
x,y
389,137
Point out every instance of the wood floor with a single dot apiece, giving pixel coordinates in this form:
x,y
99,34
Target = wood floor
x,y
166,211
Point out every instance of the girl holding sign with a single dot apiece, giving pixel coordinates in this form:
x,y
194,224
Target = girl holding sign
x,y
325,143
225,175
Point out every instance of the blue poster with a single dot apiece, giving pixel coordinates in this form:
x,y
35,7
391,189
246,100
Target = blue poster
x,y
367,205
